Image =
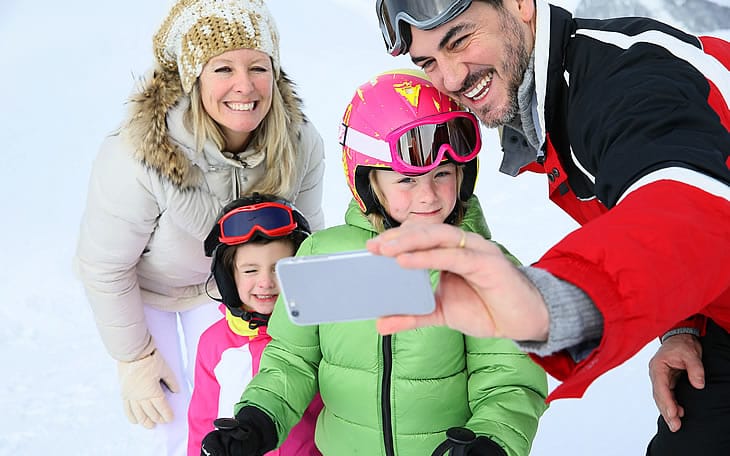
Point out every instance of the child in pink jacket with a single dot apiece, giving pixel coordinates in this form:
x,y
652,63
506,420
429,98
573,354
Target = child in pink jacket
x,y
248,238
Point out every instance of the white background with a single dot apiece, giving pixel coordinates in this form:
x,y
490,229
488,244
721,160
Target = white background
x,y
67,68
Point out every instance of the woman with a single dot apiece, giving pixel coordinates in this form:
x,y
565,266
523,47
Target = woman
x,y
216,119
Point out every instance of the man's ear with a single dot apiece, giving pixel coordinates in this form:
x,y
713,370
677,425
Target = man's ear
x,y
526,10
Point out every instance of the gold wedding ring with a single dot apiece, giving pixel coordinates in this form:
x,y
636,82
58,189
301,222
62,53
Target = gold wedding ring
x,y
462,242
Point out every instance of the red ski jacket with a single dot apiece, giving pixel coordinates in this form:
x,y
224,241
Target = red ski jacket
x,y
637,151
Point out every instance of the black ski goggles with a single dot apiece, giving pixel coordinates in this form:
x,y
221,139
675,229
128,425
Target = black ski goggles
x,y
396,15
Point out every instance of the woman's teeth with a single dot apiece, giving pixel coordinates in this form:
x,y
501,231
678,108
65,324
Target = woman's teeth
x,y
241,106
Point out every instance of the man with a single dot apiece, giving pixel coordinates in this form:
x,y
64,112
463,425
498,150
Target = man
x,y
629,120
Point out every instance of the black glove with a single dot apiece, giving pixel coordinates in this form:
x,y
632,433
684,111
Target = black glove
x,y
463,442
231,438
250,433
484,446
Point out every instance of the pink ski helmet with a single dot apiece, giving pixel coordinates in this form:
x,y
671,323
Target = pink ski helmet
x,y
382,105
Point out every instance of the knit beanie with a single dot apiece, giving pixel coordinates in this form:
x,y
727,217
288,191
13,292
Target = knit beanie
x,y
195,31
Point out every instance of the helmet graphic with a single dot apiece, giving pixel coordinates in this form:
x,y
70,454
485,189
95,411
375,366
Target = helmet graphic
x,y
384,104
250,219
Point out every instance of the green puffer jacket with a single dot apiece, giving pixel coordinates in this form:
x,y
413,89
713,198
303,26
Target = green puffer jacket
x,y
394,395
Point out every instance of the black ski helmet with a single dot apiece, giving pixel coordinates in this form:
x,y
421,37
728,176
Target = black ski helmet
x,y
214,246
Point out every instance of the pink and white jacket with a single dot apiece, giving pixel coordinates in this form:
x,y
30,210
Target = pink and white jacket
x,y
228,358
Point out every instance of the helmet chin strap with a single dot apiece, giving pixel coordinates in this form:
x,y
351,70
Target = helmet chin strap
x,y
388,221
254,319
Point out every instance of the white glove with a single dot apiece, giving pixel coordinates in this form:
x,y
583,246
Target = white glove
x,y
144,399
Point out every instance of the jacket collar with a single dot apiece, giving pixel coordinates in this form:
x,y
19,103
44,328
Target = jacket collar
x,y
553,29
541,55
240,327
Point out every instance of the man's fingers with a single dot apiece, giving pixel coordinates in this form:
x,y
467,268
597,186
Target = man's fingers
x,y
673,423
672,415
466,262
414,238
665,401
397,323
669,410
695,372
661,380
393,324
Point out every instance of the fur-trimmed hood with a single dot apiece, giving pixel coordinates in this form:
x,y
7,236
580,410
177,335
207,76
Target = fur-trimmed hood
x,y
148,130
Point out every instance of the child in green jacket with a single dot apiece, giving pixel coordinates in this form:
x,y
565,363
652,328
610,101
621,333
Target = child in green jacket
x,y
409,154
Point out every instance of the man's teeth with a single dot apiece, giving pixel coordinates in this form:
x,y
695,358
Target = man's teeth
x,y
241,106
480,90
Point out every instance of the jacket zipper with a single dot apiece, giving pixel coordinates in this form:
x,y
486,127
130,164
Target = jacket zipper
x,y
385,395
236,186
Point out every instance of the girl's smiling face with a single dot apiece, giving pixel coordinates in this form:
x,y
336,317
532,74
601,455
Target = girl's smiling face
x,y
427,198
253,272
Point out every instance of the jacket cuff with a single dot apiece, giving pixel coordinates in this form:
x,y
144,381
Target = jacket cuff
x,y
673,332
148,350
695,325
575,322
259,422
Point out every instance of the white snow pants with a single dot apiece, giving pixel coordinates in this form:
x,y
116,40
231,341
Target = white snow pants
x,y
178,345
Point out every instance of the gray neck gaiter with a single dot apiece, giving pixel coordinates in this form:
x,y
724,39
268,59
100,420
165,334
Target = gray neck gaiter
x,y
525,95
520,141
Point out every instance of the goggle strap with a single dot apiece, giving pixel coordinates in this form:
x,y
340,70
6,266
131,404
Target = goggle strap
x,y
376,148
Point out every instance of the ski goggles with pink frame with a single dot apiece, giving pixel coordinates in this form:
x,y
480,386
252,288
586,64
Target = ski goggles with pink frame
x,y
419,147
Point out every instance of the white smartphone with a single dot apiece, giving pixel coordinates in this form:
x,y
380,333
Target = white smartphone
x,y
351,286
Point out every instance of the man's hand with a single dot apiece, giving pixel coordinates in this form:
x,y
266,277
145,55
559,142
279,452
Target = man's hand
x,y
678,353
481,293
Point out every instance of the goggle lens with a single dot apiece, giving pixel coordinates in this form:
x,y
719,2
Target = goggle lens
x,y
270,219
421,148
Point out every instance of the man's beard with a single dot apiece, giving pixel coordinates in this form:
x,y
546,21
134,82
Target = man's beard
x,y
516,61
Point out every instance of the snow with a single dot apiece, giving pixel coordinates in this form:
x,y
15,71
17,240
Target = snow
x,y
67,69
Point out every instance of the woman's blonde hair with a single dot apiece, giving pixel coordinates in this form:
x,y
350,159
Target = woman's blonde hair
x,y
377,219
272,135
